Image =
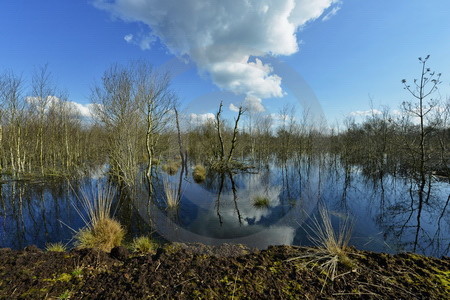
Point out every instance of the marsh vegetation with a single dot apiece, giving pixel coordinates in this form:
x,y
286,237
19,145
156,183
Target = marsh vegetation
x,y
389,171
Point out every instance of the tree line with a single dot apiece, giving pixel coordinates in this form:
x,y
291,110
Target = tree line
x,y
136,124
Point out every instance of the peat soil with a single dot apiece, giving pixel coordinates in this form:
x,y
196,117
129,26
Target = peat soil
x,y
181,271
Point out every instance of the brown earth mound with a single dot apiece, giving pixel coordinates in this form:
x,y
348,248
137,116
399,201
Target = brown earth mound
x,y
230,271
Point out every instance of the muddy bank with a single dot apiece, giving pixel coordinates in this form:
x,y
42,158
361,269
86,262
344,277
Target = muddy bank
x,y
203,272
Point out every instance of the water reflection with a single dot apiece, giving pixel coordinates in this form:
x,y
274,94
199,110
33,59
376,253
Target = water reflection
x,y
391,213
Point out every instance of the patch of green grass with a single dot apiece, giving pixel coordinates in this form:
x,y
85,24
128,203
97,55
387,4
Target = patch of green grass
x,y
56,247
199,173
261,202
144,245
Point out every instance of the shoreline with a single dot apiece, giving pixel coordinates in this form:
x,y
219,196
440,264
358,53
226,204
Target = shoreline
x,y
199,271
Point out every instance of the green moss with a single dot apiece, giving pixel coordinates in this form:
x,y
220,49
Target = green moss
x,y
443,278
34,293
77,273
65,295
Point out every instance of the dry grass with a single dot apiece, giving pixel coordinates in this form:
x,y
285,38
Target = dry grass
x,y
56,247
101,232
171,194
199,173
171,167
104,235
331,246
144,245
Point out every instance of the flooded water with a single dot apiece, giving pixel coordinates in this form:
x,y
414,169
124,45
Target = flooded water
x,y
385,209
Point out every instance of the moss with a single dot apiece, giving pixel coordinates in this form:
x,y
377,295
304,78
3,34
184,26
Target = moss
x,y
77,273
64,277
443,278
171,248
34,293
65,295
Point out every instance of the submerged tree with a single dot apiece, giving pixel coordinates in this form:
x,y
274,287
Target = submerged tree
x,y
421,90
134,103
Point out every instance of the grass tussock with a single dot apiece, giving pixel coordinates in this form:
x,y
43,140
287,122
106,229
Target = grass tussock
x,y
199,173
104,235
261,202
171,167
144,245
56,247
170,191
101,232
331,246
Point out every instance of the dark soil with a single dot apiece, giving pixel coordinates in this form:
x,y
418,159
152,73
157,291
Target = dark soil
x,y
230,271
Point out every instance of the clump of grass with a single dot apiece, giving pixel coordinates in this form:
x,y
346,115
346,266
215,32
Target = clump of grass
x,y
331,246
171,167
56,247
172,199
144,245
104,235
101,232
199,173
261,202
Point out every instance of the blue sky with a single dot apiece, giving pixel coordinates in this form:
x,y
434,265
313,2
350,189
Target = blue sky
x,y
361,52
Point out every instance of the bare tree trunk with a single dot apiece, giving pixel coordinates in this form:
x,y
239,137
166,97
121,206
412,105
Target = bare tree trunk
x,y
219,133
235,132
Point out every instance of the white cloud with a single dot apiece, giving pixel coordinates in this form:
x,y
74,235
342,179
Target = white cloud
x,y
233,107
144,41
85,110
201,118
253,104
226,39
365,113
128,38
332,12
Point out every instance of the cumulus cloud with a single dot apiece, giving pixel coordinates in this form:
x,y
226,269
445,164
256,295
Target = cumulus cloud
x,y
201,118
84,110
233,107
226,39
